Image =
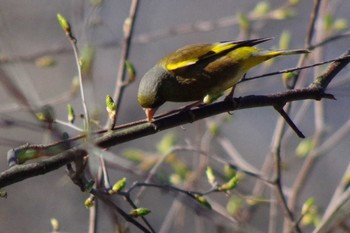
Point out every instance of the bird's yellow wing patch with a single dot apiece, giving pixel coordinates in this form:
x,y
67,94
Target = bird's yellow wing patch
x,y
181,64
197,53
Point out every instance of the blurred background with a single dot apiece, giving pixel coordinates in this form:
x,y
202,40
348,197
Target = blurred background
x,y
35,53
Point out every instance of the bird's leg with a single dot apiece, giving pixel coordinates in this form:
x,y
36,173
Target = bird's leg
x,y
150,113
229,97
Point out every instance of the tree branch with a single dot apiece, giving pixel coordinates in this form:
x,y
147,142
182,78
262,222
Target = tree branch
x,y
136,130
21,172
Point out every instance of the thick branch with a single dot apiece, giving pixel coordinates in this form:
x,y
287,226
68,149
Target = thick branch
x,y
191,115
21,172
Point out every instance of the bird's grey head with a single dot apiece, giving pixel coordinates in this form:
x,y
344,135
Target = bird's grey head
x,y
149,94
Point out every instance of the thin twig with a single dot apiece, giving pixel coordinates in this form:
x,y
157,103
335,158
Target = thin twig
x,y
313,18
128,33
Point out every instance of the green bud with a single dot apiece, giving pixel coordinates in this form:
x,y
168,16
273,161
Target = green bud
x,y
262,8
282,14
328,22
252,201
243,22
127,25
63,23
286,77
293,2
202,200
110,107
65,136
210,176
181,169
89,202
139,212
96,3
3,194
311,218
55,224
304,148
87,58
231,184
166,143
284,40
310,213
119,185
234,205
229,171
45,114
214,128
75,85
134,155
308,204
130,69
89,186
341,24
175,179
45,61
71,113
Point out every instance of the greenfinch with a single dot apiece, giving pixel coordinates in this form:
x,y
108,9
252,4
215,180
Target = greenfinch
x,y
201,72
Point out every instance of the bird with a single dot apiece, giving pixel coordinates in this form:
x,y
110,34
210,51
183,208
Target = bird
x,y
201,72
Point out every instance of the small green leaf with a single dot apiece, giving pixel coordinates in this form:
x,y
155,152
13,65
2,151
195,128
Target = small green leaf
x,y
139,212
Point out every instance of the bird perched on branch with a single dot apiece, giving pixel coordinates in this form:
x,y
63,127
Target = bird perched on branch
x,y
201,72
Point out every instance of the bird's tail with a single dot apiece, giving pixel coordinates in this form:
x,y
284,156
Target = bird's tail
x,y
286,52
